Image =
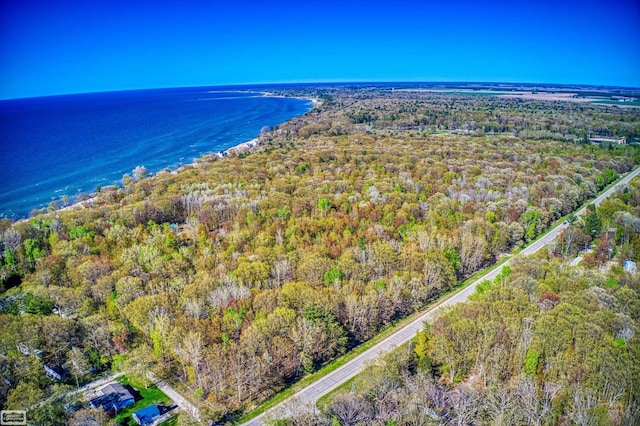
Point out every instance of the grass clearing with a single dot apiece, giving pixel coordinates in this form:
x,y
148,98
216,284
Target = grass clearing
x,y
150,395
635,102
173,421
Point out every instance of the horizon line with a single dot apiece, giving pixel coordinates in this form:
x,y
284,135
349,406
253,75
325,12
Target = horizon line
x,y
339,82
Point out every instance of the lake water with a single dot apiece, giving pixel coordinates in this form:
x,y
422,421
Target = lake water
x,y
66,145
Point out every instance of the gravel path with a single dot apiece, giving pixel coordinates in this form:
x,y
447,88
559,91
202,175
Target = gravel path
x,y
176,397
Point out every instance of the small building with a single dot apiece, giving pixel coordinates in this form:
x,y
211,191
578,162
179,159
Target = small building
x,y
146,415
112,398
630,266
54,373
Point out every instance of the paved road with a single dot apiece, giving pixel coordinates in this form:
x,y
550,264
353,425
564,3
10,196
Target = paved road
x,y
176,397
97,383
89,386
161,384
326,384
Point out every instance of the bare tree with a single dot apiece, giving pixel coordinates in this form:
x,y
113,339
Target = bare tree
x,y
281,272
299,414
500,406
139,173
584,400
192,346
534,403
195,308
464,402
237,367
426,402
214,370
90,417
351,410
227,292
12,239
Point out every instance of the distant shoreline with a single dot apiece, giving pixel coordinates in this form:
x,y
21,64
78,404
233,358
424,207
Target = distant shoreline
x,y
241,148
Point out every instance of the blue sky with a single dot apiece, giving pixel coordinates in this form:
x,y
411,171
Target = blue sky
x,y
55,47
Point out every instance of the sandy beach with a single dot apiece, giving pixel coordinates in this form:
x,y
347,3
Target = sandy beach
x,y
315,101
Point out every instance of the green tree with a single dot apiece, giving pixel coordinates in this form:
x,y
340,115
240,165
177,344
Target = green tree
x,y
81,231
422,349
592,222
38,305
25,394
320,337
438,272
531,219
252,273
332,276
79,362
32,250
454,258
324,204
138,364
531,362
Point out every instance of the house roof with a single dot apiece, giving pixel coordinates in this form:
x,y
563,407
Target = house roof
x,y
113,393
55,371
146,414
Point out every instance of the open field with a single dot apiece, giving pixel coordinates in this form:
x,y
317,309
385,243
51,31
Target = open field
x,y
548,96
634,104
576,96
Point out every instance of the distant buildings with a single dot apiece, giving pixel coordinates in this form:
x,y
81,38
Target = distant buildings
x,y
54,372
112,398
146,415
617,141
622,98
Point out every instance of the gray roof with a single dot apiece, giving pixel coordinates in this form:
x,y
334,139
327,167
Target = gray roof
x,y
113,393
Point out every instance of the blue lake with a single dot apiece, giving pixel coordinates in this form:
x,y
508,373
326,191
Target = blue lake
x,y
66,145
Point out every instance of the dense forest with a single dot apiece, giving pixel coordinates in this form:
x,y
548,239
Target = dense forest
x,y
234,277
471,114
544,343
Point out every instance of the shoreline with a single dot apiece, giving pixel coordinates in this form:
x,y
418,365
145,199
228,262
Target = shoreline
x,y
315,102
241,148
